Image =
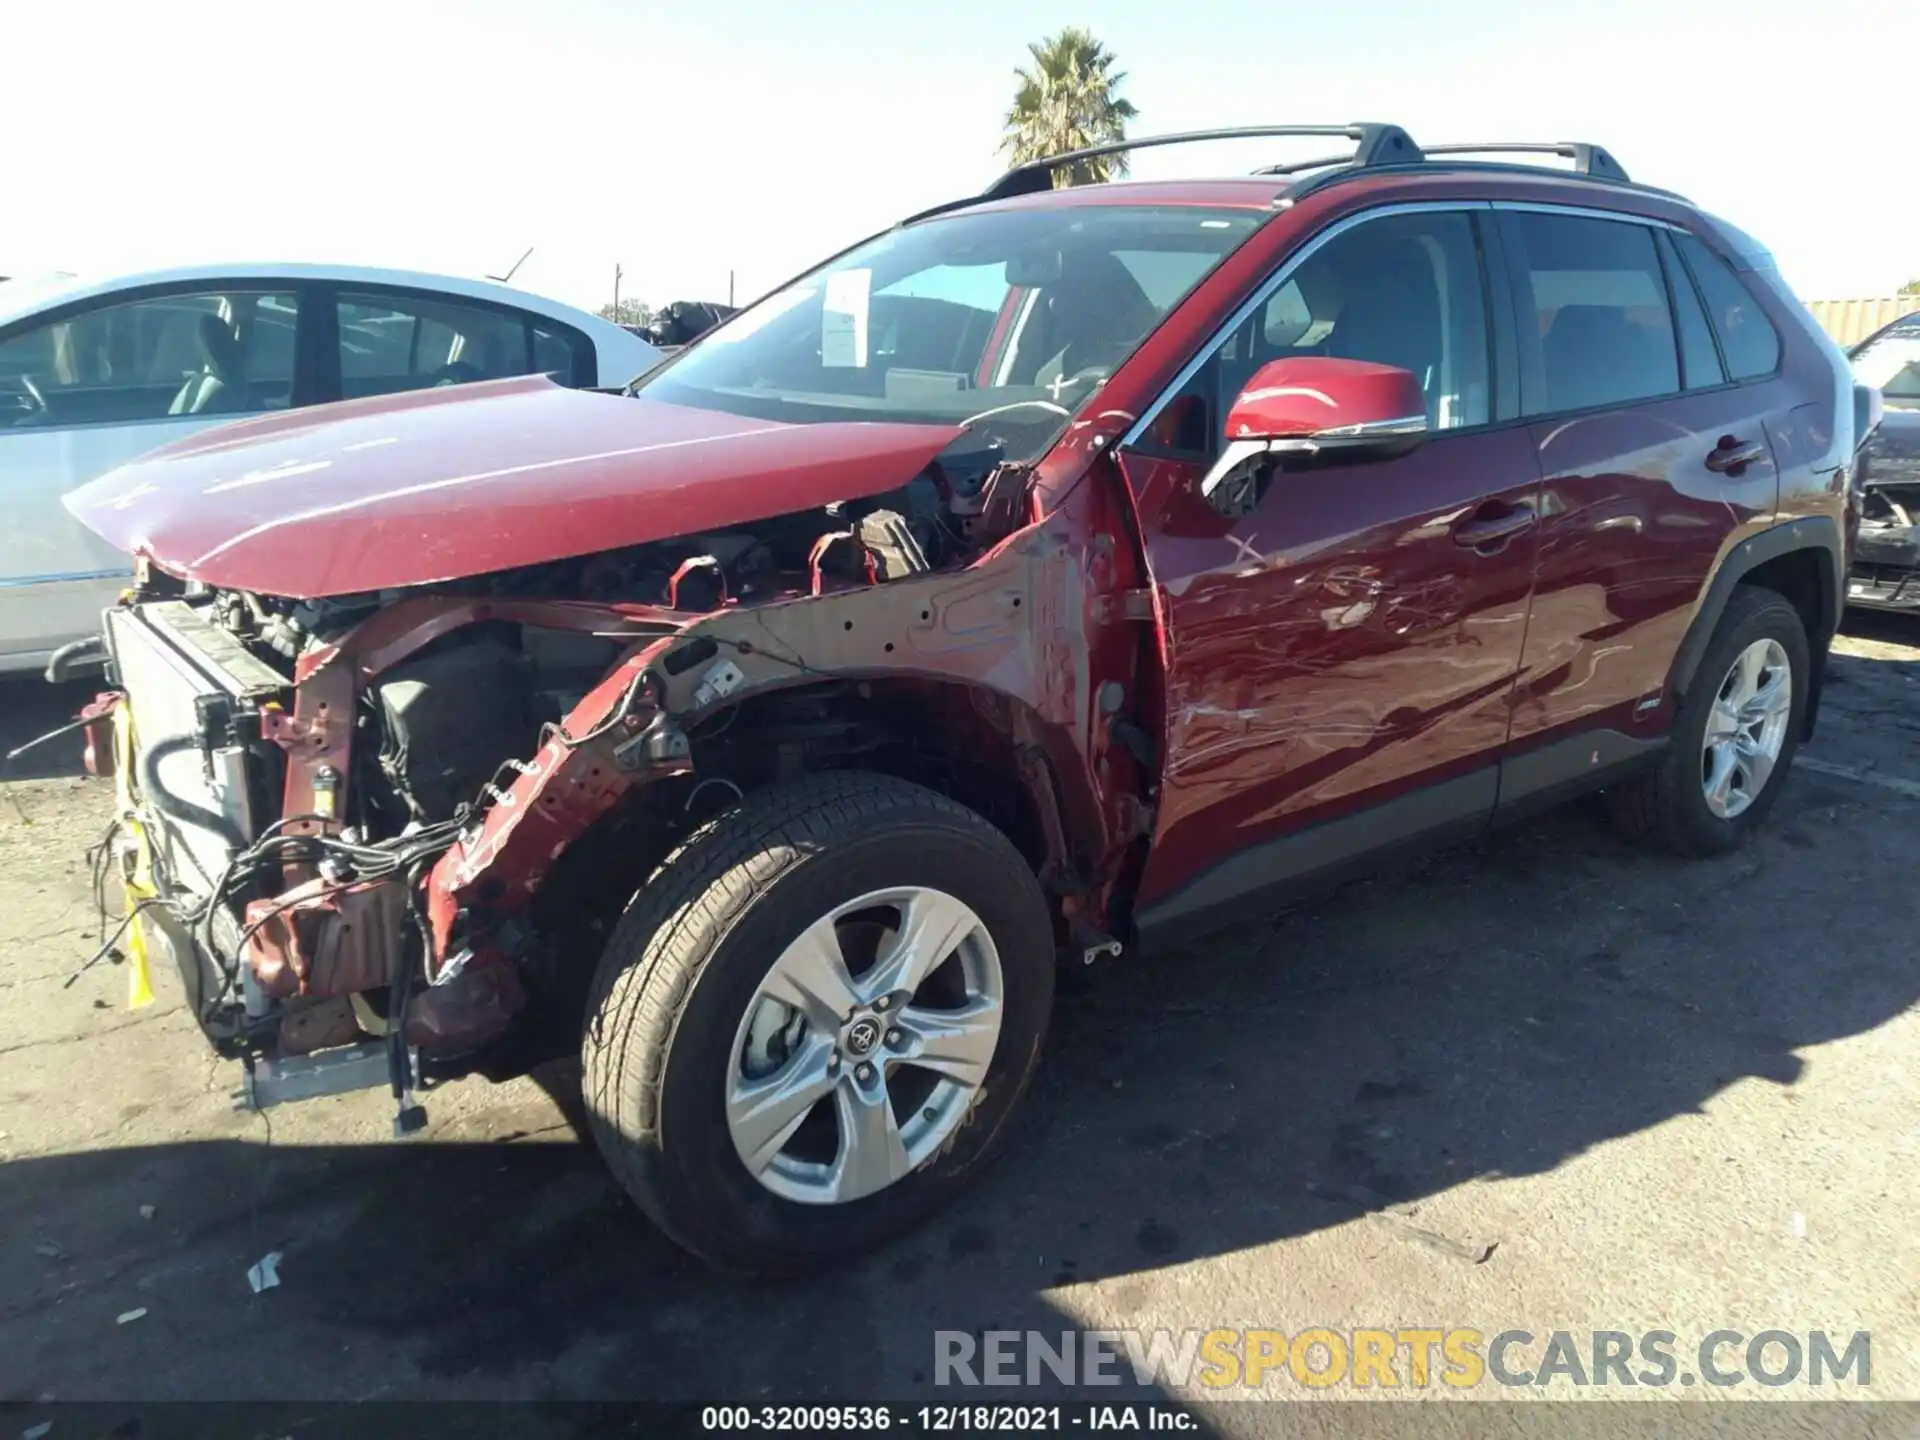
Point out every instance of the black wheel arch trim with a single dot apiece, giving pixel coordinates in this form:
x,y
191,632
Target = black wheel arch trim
x,y
1819,534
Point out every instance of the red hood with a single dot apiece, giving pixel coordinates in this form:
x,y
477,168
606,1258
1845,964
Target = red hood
x,y
438,484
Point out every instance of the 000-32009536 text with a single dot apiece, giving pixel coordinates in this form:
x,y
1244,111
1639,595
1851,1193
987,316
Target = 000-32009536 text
x,y
936,1419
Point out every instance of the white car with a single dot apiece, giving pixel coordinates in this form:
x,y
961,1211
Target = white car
x,y
94,372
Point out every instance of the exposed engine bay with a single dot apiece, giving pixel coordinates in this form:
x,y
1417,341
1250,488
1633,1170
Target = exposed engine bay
x,y
428,751
1886,562
311,873
1884,572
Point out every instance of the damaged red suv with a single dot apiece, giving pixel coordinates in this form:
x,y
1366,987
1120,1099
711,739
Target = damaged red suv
x,y
1060,569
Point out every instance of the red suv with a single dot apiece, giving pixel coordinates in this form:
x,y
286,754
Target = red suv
x,y
1060,569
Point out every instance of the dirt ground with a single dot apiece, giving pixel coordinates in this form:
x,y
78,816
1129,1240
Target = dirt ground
x,y
1548,1082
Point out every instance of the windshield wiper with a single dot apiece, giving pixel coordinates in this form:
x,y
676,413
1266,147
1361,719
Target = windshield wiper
x,y
632,387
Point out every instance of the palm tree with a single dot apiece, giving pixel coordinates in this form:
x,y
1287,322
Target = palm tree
x,y
1067,101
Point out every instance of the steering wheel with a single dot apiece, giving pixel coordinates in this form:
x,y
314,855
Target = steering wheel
x,y
1088,375
1047,405
458,373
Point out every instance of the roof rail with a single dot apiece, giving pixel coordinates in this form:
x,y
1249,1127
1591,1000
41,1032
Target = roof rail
x,y
1588,159
1374,144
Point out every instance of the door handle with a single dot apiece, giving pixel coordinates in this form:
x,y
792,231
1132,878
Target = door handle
x,y
1493,529
1731,456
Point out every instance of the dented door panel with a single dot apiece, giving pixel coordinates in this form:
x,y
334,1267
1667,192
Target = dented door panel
x,y
1334,650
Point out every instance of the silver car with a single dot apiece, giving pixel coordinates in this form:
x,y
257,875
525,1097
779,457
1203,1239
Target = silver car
x,y
94,372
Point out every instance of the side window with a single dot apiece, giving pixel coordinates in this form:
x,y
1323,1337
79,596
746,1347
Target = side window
x,y
978,287
206,353
1747,336
1165,275
1402,290
935,320
1890,361
1699,359
390,343
568,358
1599,332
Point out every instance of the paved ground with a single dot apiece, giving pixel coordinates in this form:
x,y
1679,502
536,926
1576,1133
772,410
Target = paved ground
x,y
1545,1083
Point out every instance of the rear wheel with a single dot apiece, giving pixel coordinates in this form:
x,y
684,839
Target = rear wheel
x,y
814,1021
1734,737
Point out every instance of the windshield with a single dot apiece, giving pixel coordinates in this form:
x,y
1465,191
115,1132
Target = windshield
x,y
1006,319
1891,360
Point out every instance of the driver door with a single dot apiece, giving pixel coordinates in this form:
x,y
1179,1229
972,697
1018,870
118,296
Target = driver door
x,y
1340,660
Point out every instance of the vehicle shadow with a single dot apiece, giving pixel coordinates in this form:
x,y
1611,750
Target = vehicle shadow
x,y
1873,699
1493,1013
29,708
1881,625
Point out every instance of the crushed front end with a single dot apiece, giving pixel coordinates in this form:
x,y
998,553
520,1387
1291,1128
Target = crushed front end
x,y
1885,574
289,776
384,836
1885,569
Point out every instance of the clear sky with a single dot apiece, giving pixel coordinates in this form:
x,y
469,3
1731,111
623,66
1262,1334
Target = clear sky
x,y
685,140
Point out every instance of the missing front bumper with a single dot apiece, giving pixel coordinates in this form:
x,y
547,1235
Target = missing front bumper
x,y
279,1080
1886,567
1885,574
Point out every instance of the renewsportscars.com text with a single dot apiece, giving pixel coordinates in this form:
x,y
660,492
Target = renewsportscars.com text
x,y
1403,1358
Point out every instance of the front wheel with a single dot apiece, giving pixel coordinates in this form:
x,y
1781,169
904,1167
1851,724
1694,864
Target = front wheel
x,y
1734,736
813,1022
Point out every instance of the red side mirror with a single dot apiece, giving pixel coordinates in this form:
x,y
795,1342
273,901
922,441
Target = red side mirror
x,y
1334,402
1316,407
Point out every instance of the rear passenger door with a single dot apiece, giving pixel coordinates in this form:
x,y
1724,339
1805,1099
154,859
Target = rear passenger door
x,y
1652,441
386,341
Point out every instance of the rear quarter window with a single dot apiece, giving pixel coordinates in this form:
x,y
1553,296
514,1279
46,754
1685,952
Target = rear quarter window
x,y
564,354
1699,353
1747,337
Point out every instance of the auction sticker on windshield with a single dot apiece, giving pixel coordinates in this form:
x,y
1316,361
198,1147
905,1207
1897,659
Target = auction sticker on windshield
x,y
843,320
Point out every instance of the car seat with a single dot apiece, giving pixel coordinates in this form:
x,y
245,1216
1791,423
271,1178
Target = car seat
x,y
1391,315
1092,317
1595,355
220,385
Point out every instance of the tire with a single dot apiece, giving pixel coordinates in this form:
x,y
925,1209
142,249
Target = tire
x,y
1668,806
683,974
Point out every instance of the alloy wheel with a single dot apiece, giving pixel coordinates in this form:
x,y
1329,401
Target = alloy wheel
x,y
865,1045
1746,728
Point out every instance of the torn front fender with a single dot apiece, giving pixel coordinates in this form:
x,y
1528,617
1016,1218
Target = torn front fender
x,y
580,773
1028,622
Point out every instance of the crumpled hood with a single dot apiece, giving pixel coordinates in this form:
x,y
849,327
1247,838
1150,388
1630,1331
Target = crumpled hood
x,y
439,484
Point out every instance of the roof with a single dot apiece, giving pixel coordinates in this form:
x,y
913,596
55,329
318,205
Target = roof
x,y
1903,327
1271,192
1249,192
29,296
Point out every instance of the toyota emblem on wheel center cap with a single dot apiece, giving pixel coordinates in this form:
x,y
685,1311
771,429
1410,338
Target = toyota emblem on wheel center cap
x,y
863,1035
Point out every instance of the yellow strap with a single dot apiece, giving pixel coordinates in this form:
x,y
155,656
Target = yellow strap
x,y
139,886
139,972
